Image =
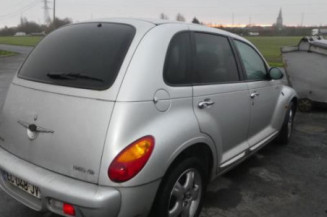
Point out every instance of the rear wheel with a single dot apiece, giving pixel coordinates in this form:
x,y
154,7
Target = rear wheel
x,y
286,132
182,190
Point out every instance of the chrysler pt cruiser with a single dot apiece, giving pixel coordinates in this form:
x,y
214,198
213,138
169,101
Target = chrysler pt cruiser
x,y
131,117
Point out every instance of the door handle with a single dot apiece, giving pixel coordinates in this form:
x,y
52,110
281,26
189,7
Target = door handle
x,y
205,104
254,94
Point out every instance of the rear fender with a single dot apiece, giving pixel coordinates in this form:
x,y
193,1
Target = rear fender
x,y
174,131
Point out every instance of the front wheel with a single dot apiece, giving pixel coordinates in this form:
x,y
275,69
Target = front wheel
x,y
181,191
285,133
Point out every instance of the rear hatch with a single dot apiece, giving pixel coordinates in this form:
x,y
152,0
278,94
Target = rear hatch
x,y
57,111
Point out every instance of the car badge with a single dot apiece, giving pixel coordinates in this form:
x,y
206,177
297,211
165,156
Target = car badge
x,y
34,130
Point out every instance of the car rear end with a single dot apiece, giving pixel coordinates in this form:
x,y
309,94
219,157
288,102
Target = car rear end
x,y
54,122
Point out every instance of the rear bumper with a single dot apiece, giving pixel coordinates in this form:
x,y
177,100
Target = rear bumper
x,y
88,199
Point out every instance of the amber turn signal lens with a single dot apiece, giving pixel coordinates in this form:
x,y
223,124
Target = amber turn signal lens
x,y
131,160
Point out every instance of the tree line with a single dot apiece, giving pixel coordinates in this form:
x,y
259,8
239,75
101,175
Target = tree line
x,y
179,17
269,31
31,27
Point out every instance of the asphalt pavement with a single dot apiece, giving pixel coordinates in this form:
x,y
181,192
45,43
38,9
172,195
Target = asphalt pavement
x,y
9,66
279,181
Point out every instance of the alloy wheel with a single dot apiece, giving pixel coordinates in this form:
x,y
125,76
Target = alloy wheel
x,y
186,195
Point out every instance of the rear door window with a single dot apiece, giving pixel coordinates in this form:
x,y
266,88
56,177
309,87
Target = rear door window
x,y
85,56
214,60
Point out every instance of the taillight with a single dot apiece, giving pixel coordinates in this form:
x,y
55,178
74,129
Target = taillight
x,y
68,209
131,160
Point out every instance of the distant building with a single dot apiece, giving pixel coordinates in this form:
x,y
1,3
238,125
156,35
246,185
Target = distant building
x,y
279,22
20,34
254,33
37,34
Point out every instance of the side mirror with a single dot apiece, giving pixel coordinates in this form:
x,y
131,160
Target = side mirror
x,y
275,73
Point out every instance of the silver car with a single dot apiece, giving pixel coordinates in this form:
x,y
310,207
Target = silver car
x,y
129,117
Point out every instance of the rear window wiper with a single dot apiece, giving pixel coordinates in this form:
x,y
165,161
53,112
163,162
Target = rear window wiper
x,y
72,76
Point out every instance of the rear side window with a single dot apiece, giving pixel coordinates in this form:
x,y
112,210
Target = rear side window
x,y
214,60
254,65
85,56
177,67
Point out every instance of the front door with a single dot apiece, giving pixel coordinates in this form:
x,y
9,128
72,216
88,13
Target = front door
x,y
220,100
263,94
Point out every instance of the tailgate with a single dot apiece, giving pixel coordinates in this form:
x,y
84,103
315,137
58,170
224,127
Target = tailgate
x,y
70,131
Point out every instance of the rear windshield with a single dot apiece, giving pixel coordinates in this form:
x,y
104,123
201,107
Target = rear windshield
x,y
85,56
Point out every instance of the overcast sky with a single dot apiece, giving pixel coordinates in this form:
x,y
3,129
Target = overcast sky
x,y
295,12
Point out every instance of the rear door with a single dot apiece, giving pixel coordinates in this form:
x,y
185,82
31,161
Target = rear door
x,y
221,101
263,94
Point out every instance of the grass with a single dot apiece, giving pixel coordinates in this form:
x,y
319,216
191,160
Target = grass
x,y
4,53
270,47
20,40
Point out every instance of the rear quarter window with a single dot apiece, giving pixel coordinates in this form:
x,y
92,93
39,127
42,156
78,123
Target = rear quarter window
x,y
87,56
177,65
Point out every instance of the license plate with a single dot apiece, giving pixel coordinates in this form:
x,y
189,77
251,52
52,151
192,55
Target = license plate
x,y
23,185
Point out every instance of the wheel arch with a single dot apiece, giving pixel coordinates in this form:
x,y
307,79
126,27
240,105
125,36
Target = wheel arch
x,y
287,96
295,103
200,150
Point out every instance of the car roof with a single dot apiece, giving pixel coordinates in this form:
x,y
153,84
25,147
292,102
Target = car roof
x,y
157,22
133,20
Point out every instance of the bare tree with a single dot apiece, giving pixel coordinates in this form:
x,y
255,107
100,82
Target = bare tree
x,y
58,23
164,16
195,20
28,26
180,17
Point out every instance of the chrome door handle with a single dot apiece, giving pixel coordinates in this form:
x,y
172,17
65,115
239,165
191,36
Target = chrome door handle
x,y
253,95
205,104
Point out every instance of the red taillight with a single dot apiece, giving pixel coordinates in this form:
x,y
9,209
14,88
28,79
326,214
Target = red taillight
x,y
131,160
68,209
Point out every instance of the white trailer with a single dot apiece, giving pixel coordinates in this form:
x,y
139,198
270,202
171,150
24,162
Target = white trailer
x,y
320,31
306,69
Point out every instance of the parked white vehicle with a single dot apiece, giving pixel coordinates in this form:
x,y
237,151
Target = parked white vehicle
x,y
305,65
129,117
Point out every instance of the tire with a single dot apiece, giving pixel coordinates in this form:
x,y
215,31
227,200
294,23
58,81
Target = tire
x,y
285,133
182,190
305,105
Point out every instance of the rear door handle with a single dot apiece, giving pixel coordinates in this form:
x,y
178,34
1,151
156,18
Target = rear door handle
x,y
254,94
205,104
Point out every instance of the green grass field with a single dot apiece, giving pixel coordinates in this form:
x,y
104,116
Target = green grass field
x,y
20,40
4,53
268,46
